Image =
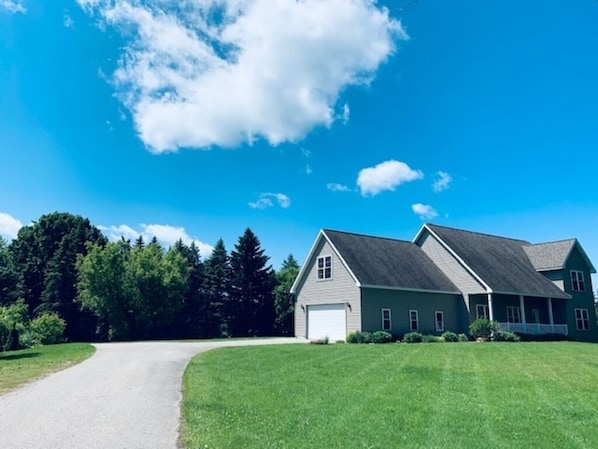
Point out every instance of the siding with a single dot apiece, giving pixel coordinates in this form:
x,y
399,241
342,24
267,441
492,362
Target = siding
x,y
580,300
401,302
340,289
449,265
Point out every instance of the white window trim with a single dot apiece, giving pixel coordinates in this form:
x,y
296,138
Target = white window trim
x,y
577,277
485,311
439,328
323,258
584,317
515,314
411,329
389,320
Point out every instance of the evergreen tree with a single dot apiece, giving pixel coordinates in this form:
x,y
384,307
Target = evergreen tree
x,y
284,301
216,290
250,308
44,256
8,275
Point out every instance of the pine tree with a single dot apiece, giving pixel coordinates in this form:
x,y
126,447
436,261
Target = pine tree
x,y
284,301
251,304
216,290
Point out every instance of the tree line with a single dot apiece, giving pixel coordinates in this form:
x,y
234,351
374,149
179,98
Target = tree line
x,y
128,290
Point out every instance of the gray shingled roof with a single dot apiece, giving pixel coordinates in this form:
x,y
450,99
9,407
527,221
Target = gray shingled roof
x,y
501,262
551,255
383,262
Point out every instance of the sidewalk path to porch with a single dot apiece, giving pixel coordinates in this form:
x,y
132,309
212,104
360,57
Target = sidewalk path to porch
x,y
127,395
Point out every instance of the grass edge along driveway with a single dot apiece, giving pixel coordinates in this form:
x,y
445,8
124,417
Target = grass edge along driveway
x,y
26,365
451,395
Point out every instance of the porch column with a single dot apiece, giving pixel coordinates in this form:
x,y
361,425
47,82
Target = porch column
x,y
490,311
550,317
522,307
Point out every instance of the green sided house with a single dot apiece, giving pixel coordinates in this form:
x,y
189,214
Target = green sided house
x,y
443,280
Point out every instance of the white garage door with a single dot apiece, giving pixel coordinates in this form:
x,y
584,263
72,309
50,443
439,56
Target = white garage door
x,y
326,320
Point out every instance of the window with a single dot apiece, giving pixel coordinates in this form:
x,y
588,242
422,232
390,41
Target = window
x,y
386,320
324,267
481,311
413,321
439,318
513,314
577,281
582,319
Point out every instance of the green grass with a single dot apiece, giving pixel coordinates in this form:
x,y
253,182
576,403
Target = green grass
x,y
19,367
459,395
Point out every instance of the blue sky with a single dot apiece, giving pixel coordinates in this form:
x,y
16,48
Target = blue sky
x,y
197,119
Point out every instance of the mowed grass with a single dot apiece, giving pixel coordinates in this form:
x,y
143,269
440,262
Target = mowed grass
x,y
19,367
459,395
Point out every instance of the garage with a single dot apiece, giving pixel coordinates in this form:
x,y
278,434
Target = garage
x,y
327,320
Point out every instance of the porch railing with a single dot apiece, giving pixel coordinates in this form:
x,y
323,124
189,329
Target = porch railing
x,y
535,328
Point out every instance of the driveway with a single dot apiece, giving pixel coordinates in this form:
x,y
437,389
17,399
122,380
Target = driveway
x,y
126,396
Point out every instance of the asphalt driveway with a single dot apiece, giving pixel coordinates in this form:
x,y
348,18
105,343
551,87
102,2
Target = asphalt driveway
x,y
127,395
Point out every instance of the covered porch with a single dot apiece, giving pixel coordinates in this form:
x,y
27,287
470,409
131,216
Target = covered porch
x,y
520,313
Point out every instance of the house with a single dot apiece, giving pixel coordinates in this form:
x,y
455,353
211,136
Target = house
x,y
443,280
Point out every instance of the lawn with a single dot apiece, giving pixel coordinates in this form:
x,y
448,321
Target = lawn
x,y
436,395
19,367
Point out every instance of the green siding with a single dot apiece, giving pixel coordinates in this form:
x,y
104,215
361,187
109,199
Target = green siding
x,y
401,302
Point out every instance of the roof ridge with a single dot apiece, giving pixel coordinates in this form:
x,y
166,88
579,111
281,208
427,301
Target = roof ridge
x,y
572,239
485,234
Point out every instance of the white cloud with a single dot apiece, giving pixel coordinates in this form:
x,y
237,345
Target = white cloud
x,y
346,113
266,200
442,182
424,211
308,169
166,234
336,187
68,21
269,69
13,6
386,176
9,226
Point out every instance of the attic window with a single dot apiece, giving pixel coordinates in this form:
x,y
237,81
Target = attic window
x,y
577,281
324,267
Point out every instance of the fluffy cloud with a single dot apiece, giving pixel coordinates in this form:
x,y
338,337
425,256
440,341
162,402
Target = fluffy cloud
x,y
336,187
267,200
442,182
386,176
424,211
166,234
13,6
9,226
199,73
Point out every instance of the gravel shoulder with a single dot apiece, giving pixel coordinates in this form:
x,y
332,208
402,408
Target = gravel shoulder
x,y
127,395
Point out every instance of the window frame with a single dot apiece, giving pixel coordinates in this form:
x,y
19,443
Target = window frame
x,y
584,320
386,319
578,283
514,318
486,311
412,320
436,314
321,270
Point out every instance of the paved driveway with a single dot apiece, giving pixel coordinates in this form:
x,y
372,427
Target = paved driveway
x,y
126,396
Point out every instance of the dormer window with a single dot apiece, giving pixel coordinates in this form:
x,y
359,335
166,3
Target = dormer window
x,y
324,268
577,282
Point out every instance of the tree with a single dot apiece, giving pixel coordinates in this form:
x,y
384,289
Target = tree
x,y
8,275
216,290
284,301
44,256
250,308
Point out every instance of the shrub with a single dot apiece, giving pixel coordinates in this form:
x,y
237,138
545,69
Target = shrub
x,y
413,337
463,338
450,337
48,328
359,337
506,336
320,341
483,328
429,338
542,337
381,337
